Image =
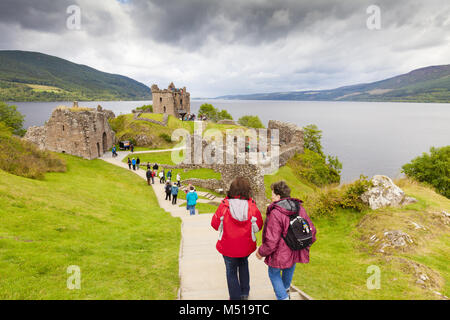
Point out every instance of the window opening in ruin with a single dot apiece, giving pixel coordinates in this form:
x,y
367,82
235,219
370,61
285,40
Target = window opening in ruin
x,y
164,109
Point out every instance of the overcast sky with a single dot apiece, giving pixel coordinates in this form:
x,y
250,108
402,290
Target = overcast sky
x,y
235,46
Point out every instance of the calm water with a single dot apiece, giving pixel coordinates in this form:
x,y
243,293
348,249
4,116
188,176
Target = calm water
x,y
368,137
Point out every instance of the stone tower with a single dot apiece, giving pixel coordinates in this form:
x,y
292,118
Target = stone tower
x,y
173,101
82,132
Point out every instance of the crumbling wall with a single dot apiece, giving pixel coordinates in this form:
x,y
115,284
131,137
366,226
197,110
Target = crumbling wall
x,y
81,132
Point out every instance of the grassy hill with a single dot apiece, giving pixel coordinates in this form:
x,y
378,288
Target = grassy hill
x,y
429,84
96,216
33,76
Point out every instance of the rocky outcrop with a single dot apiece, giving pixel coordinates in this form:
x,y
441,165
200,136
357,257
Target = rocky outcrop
x,y
385,193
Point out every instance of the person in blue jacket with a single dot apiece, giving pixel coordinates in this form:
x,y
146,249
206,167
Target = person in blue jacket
x,y
174,193
191,199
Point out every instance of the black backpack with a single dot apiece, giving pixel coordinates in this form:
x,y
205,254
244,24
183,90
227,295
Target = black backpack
x,y
299,234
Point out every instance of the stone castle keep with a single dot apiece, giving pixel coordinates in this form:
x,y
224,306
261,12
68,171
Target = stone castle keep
x,y
82,132
172,101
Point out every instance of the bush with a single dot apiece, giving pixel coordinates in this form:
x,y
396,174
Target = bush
x,y
12,118
325,202
24,159
165,137
353,192
146,108
433,169
251,122
313,168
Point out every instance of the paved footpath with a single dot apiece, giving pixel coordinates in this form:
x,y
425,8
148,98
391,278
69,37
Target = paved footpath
x,y
201,267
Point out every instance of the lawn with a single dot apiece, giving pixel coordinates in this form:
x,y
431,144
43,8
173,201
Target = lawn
x,y
95,216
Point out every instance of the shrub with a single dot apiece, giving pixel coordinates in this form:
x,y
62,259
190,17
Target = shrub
x,y
353,192
313,168
432,168
166,137
12,118
251,122
146,108
24,159
325,202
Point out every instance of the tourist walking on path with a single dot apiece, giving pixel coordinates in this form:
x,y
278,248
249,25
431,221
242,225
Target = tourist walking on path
x,y
238,220
174,193
149,174
132,148
153,176
114,151
155,167
148,166
178,180
280,258
169,174
129,163
168,190
133,162
161,177
138,163
191,198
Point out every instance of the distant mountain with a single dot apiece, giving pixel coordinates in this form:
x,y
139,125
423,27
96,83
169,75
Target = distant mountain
x,y
33,76
430,84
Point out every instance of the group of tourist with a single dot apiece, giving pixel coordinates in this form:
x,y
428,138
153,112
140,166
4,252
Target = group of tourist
x,y
287,236
134,163
171,192
152,172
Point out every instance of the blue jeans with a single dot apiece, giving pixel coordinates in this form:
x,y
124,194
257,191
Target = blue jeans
x,y
191,210
281,281
238,277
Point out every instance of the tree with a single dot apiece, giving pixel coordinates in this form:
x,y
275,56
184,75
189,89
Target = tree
x,y
209,111
251,122
213,113
12,118
432,168
224,115
312,136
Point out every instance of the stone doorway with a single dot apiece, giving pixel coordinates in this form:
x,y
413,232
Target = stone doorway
x,y
98,149
105,142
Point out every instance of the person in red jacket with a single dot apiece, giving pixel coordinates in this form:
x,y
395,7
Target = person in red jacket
x,y
238,220
279,257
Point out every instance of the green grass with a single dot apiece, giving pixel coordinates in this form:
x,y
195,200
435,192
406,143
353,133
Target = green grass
x,y
340,257
96,216
337,269
299,189
160,158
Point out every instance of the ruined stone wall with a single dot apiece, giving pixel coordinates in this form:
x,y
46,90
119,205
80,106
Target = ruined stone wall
x,y
81,132
171,100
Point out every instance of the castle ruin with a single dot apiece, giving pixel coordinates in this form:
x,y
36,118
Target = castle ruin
x,y
83,132
173,101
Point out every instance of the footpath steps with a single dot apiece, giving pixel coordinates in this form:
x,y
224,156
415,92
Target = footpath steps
x,y
201,267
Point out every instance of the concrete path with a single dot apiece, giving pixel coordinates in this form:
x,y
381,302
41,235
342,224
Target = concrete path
x,y
201,267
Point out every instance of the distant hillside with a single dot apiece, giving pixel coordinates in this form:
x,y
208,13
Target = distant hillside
x,y
430,84
33,76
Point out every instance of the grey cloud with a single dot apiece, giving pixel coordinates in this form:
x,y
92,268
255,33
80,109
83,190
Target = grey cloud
x,y
42,15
